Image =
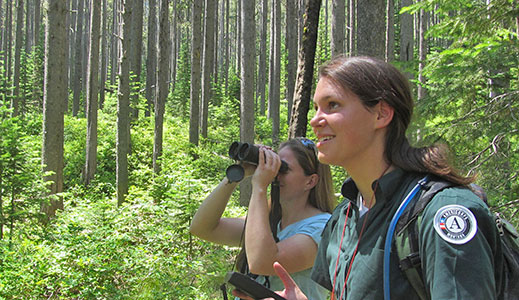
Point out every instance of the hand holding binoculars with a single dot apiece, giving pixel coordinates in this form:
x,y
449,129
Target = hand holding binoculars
x,y
245,152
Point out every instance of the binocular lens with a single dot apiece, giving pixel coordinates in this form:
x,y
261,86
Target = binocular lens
x,y
233,150
249,153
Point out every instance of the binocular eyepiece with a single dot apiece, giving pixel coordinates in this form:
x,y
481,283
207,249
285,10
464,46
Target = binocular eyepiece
x,y
248,153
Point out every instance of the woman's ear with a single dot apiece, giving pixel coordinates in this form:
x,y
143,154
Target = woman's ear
x,y
385,114
312,181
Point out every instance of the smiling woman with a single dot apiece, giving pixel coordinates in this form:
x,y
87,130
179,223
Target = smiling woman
x,y
288,230
363,108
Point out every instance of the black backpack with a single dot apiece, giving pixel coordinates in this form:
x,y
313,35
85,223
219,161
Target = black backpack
x,y
405,233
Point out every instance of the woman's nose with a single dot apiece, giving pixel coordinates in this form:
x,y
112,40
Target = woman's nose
x,y
317,120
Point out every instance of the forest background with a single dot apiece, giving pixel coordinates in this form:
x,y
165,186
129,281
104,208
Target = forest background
x,y
116,117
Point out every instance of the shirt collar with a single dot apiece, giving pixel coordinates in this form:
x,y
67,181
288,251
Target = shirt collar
x,y
387,186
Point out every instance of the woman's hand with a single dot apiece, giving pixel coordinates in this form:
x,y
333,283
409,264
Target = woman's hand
x,y
291,291
267,169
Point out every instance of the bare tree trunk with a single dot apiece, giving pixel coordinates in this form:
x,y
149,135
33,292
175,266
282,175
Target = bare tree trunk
x,y
248,35
151,58
196,45
217,45
276,74
29,29
238,36
305,71
174,48
136,56
271,60
208,61
291,45
114,41
406,34
227,45
163,76
2,31
123,108
104,60
16,99
300,17
247,71
8,43
422,53
371,15
390,31
92,93
54,94
37,21
262,66
78,68
352,36
338,24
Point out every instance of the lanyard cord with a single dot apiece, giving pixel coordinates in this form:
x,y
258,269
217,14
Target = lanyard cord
x,y
338,254
358,241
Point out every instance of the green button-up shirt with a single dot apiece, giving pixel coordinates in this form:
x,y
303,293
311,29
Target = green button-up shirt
x,y
450,271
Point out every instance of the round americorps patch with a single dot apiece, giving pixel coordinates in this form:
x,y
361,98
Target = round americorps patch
x,y
455,223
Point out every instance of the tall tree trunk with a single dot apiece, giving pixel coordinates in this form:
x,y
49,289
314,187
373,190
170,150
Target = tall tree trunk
x,y
422,53
196,45
29,34
352,27
305,71
174,48
406,34
163,76
16,99
37,21
115,41
136,53
247,49
8,43
54,94
300,17
104,41
390,31
71,39
217,45
208,61
2,30
227,45
262,66
371,16
271,60
338,23
85,42
78,68
276,74
92,93
238,37
123,108
291,45
151,58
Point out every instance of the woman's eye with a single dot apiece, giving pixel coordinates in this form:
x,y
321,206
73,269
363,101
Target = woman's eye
x,y
333,104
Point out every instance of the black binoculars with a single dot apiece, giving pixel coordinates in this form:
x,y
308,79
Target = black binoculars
x,y
248,153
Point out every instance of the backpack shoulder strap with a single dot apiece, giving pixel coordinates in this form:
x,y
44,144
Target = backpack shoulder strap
x,y
406,237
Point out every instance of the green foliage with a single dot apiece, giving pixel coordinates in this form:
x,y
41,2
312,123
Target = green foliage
x,y
21,184
472,93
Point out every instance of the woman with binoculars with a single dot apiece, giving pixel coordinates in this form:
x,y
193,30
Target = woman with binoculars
x,y
306,201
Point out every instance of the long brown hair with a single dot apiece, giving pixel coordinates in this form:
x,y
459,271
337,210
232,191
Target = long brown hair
x,y
321,195
374,80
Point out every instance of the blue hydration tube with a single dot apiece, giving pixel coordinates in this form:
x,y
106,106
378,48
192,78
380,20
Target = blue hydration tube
x,y
391,232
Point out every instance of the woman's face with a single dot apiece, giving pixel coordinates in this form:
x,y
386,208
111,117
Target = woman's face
x,y
345,129
293,182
